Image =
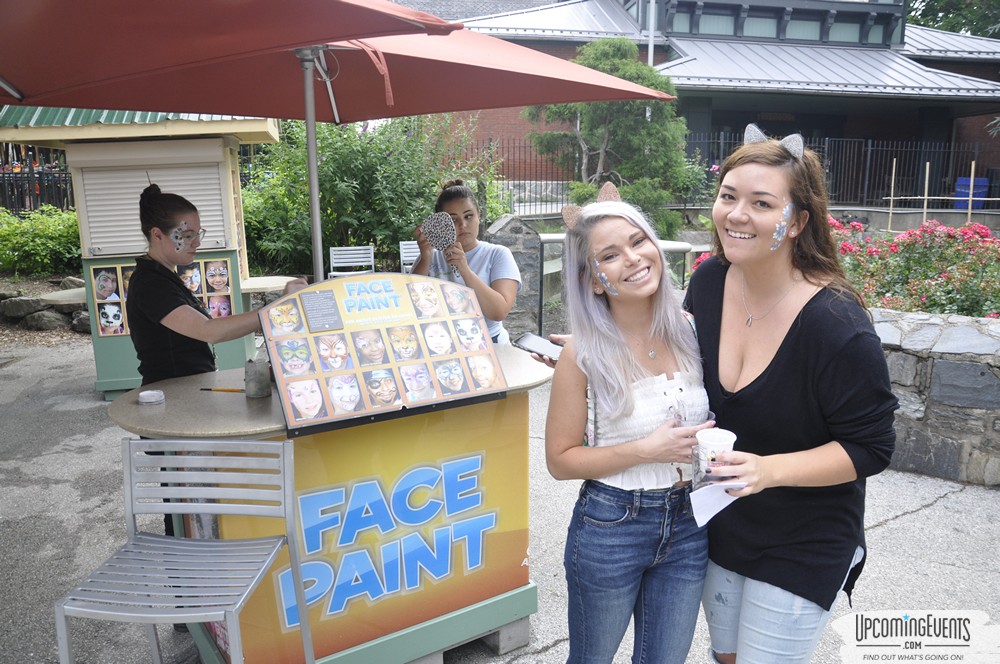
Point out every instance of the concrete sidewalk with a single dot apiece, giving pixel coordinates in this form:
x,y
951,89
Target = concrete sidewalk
x,y
933,542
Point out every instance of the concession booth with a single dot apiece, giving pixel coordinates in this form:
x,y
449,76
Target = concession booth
x,y
411,470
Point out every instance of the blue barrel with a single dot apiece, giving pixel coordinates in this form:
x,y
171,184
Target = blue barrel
x,y
979,188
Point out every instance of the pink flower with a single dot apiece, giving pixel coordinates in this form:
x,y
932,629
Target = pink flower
x,y
857,227
873,251
701,259
847,248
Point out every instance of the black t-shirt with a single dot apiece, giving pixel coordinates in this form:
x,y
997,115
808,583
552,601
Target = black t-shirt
x,y
153,292
827,381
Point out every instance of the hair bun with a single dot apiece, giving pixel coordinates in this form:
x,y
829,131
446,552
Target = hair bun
x,y
151,190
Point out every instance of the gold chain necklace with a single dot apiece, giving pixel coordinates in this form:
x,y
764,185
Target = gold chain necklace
x,y
750,317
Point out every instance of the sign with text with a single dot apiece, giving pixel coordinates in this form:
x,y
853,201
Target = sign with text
x,y
372,345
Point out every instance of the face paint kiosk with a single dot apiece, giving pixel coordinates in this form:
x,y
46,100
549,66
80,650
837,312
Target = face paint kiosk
x,y
411,463
108,178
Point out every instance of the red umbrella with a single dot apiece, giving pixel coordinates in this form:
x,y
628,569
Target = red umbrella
x,y
116,54
355,80
59,50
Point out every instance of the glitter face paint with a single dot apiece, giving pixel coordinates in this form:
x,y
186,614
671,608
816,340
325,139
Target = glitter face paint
x,y
180,237
603,278
781,228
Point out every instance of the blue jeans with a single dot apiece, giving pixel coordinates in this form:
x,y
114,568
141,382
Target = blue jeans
x,y
633,553
761,623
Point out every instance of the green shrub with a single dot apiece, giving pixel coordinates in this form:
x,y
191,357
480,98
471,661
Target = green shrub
x,y
43,241
376,184
932,269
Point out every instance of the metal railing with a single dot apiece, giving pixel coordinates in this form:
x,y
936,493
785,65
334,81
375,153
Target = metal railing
x,y
675,253
860,173
27,190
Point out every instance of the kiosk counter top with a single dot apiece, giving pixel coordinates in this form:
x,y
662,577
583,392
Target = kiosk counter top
x,y
188,411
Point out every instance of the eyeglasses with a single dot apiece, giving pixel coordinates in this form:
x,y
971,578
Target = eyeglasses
x,y
190,236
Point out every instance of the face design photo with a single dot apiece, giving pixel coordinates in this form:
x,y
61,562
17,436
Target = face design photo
x,y
471,335
417,381
219,306
306,399
370,347
106,284
457,299
191,276
483,371
284,319
345,393
126,277
382,388
438,338
217,276
451,377
403,340
109,319
425,299
333,353
295,357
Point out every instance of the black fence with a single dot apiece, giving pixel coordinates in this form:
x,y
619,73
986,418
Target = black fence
x,y
867,173
27,190
860,173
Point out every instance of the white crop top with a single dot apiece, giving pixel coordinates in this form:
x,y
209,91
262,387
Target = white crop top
x,y
656,399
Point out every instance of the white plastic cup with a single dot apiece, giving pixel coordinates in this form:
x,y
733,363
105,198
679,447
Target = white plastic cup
x,y
710,443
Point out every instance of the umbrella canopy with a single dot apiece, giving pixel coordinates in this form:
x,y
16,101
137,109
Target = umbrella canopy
x,y
59,51
354,79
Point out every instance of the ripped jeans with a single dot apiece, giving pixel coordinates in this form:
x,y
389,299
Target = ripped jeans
x,y
762,623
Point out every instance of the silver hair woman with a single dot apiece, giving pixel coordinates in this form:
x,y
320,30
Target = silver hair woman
x,y
631,368
602,347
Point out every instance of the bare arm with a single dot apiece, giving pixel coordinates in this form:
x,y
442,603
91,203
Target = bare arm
x,y
192,323
565,454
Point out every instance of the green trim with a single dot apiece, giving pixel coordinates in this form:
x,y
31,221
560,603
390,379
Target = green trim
x,y
444,632
441,633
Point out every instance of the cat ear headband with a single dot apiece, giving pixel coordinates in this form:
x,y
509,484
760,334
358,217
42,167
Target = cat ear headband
x,y
571,213
793,142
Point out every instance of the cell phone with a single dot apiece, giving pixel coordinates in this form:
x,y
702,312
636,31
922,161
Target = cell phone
x,y
536,344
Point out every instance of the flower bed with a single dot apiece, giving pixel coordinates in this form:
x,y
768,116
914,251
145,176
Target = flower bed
x,y
933,268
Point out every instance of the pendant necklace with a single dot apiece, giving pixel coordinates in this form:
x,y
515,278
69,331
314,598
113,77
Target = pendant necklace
x,y
750,317
652,351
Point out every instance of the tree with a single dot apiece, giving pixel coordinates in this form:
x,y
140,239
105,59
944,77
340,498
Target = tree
x,y
617,141
972,17
377,182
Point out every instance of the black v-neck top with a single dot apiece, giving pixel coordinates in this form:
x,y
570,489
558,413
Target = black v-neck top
x,y
828,381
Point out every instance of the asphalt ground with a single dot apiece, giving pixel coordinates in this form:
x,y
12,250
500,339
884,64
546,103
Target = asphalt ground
x,y
933,543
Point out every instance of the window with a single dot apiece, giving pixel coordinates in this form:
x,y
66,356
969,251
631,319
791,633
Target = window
x,y
803,29
759,26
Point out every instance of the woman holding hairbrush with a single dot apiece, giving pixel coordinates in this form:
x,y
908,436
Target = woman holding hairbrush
x,y
488,269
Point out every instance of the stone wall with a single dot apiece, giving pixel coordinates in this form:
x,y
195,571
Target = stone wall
x,y
946,372
524,243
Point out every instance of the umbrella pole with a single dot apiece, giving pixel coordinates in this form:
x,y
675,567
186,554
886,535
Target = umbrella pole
x,y
306,59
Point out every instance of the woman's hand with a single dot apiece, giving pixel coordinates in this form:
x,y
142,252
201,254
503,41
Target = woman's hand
x,y
671,443
454,254
295,284
740,467
826,465
557,339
